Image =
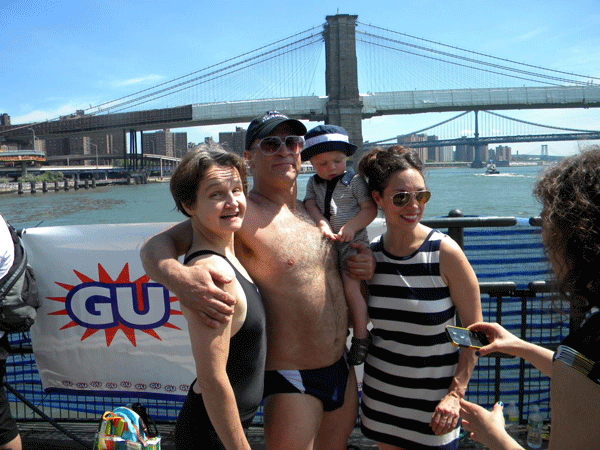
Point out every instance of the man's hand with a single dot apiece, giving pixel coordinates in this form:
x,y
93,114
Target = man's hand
x,y
197,289
360,266
194,286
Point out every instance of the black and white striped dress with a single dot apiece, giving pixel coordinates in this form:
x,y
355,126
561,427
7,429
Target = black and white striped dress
x,y
411,363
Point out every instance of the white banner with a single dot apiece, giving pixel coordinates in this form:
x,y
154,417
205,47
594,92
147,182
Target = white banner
x,y
103,325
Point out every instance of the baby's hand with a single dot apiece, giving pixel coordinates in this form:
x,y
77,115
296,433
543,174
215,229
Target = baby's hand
x,y
326,231
346,234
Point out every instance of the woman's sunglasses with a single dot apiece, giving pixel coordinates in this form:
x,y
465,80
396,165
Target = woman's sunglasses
x,y
271,144
401,199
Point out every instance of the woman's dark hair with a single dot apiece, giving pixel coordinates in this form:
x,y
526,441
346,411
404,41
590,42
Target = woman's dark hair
x,y
191,169
378,164
570,196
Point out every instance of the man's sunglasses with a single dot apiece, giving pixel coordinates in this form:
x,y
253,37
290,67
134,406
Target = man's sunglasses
x,y
401,199
271,144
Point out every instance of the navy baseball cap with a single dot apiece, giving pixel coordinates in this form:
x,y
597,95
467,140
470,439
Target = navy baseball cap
x,y
262,126
326,138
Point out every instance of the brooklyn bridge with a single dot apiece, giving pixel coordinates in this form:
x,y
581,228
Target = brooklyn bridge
x,y
386,63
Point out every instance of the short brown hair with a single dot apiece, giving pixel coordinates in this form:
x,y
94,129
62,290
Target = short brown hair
x,y
191,169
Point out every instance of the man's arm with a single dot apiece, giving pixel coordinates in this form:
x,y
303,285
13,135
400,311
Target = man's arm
x,y
193,286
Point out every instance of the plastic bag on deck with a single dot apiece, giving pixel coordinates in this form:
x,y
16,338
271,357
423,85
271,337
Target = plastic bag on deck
x,y
124,429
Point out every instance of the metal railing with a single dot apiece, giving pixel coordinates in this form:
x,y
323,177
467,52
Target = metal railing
x,y
507,256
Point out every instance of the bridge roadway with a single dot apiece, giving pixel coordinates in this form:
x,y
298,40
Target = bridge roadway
x,y
314,108
160,163
487,140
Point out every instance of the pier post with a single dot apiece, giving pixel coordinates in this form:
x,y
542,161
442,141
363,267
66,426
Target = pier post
x,y
20,187
32,183
44,186
66,185
457,233
56,186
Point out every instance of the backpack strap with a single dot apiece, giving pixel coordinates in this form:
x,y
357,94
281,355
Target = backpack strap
x,y
19,264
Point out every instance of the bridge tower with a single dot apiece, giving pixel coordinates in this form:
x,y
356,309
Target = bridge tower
x,y
344,107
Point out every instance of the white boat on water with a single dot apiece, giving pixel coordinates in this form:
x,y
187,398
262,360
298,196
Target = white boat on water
x,y
491,169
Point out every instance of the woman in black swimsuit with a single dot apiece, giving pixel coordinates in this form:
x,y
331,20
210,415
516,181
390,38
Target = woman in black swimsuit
x,y
570,197
210,188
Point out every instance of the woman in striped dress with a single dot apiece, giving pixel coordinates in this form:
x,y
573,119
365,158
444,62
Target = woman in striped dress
x,y
414,378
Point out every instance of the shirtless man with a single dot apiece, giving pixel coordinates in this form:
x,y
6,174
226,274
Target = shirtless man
x,y
311,395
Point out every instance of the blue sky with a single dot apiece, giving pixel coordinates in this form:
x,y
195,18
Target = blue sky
x,y
57,56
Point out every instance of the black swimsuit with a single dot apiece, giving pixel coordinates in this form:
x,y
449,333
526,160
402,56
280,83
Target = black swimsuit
x,y
245,369
584,345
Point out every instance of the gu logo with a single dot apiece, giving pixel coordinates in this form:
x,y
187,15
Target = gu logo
x,y
113,305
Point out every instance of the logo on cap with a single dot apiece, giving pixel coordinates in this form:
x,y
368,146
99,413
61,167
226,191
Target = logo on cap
x,y
272,114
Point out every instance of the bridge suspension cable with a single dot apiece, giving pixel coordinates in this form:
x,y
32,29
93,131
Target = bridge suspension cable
x,y
214,72
500,127
557,80
205,78
539,124
588,77
392,61
459,64
419,131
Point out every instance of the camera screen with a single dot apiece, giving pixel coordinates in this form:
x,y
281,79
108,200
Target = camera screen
x,y
465,338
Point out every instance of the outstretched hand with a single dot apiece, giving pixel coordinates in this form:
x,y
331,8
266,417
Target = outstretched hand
x,y
360,266
486,427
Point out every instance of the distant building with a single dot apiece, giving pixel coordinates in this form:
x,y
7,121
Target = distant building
x,y
406,141
165,143
501,153
233,141
443,153
466,152
208,145
100,144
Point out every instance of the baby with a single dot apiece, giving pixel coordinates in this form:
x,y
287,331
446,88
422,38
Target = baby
x,y
338,200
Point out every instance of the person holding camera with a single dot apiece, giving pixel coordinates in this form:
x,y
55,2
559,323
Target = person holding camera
x,y
570,196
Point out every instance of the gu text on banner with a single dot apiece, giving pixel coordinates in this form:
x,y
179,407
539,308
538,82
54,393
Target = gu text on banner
x,y
103,325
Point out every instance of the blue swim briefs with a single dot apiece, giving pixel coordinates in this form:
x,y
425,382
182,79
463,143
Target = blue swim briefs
x,y
328,384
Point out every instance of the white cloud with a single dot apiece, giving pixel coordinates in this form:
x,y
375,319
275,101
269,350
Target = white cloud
x,y
43,115
529,35
132,81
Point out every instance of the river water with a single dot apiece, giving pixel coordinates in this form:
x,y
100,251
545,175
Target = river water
x,y
469,190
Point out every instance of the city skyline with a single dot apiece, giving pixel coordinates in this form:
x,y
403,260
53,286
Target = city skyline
x,y
61,56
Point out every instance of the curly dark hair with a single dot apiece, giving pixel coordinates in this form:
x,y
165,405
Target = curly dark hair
x,y
191,169
570,196
378,164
